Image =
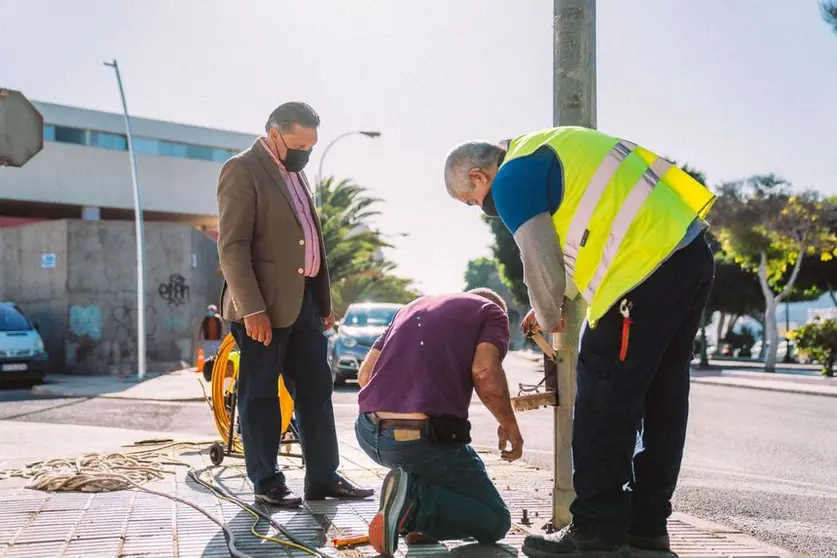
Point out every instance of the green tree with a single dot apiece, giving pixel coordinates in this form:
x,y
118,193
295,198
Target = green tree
x,y
510,265
770,230
356,264
829,13
819,340
479,272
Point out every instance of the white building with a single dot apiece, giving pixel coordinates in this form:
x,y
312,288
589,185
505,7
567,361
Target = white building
x,y
84,169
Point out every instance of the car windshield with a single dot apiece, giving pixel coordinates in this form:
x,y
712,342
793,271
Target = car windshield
x,y
12,320
369,317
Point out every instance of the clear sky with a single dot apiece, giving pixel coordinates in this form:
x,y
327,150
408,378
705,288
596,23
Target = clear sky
x,y
734,87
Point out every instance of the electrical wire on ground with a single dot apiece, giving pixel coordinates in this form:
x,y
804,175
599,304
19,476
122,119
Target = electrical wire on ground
x,y
108,472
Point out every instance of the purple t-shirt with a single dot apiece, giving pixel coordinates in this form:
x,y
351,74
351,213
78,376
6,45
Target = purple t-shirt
x,y
427,352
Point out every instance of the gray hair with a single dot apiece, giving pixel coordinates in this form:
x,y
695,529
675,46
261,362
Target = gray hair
x,y
480,154
288,114
487,293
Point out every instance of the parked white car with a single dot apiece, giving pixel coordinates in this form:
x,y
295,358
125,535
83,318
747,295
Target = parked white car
x,y
22,353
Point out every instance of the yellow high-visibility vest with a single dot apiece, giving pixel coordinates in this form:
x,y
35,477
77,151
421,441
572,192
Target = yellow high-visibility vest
x,y
623,212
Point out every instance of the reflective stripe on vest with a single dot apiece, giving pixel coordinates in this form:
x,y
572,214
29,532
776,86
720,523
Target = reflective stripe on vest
x,y
619,227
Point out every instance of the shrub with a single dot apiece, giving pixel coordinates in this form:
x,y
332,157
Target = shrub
x,y
819,340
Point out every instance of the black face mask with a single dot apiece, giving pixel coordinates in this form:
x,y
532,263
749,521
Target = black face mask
x,y
488,206
296,159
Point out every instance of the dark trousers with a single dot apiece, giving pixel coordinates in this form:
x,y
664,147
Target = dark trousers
x,y
451,493
647,392
298,353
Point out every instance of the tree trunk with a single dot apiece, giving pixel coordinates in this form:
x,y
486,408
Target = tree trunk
x,y
704,355
771,303
771,334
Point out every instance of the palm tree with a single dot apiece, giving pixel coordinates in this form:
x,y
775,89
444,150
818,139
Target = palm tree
x,y
356,264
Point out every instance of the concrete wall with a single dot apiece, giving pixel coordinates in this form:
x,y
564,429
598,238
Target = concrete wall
x,y
87,305
40,291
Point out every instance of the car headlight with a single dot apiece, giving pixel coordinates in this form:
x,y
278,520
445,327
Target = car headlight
x,y
39,345
348,342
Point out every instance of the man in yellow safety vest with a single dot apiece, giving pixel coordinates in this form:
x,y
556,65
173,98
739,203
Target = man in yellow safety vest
x,y
604,218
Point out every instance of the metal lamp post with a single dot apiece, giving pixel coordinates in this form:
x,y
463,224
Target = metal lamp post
x,y
141,362
368,133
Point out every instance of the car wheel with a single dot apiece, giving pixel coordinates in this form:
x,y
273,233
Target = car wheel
x,y
338,379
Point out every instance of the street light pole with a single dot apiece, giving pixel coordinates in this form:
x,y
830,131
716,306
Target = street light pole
x,y
574,104
141,363
369,134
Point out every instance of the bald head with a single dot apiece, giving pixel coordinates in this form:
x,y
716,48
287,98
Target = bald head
x,y
466,162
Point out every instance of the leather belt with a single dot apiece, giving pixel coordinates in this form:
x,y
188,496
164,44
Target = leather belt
x,y
397,424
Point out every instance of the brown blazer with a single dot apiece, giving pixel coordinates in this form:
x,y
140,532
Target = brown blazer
x,y
261,244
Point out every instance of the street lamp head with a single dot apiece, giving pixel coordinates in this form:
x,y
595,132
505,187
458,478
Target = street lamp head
x,y
370,134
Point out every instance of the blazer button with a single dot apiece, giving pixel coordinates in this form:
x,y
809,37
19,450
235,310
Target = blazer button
x,y
302,243
300,271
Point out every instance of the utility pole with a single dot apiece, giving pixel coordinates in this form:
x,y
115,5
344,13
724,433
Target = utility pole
x,y
141,364
573,104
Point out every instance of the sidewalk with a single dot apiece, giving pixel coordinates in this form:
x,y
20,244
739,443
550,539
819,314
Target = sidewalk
x,y
131,523
177,386
746,375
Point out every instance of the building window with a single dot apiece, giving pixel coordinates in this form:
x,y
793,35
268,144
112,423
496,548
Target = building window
x,y
148,146
65,134
173,149
107,140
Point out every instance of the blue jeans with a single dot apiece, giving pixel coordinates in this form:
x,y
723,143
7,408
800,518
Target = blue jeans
x,y
450,491
298,352
647,391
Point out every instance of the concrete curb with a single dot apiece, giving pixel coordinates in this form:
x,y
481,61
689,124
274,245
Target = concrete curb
x,y
764,386
52,390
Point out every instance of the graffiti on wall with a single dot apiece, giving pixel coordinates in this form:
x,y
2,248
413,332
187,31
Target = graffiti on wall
x,y
86,321
124,319
175,291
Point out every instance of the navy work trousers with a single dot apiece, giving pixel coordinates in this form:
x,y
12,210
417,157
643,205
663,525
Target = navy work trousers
x,y
643,390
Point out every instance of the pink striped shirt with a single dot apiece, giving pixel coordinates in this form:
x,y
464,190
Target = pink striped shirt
x,y
298,188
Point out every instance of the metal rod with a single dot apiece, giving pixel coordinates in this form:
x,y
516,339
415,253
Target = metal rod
x,y
574,104
141,352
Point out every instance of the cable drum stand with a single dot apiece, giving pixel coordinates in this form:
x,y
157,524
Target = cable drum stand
x,y
224,401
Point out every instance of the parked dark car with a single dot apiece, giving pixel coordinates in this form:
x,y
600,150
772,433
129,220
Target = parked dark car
x,y
22,354
361,326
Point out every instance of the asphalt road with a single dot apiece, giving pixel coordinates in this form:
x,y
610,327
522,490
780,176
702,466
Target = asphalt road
x,y
763,462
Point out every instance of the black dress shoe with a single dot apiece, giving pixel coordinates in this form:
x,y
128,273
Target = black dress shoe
x,y
343,489
279,496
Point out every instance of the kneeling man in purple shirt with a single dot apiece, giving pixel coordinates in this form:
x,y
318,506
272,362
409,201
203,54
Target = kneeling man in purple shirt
x,y
416,387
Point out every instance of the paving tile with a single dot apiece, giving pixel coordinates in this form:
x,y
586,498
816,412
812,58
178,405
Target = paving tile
x,y
35,550
93,548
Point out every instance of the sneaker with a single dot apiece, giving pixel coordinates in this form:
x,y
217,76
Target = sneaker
x,y
279,496
391,516
575,542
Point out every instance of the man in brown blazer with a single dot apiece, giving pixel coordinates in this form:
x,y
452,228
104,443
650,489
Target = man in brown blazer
x,y
277,297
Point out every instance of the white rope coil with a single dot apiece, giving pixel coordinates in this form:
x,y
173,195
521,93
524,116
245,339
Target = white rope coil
x,y
94,472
